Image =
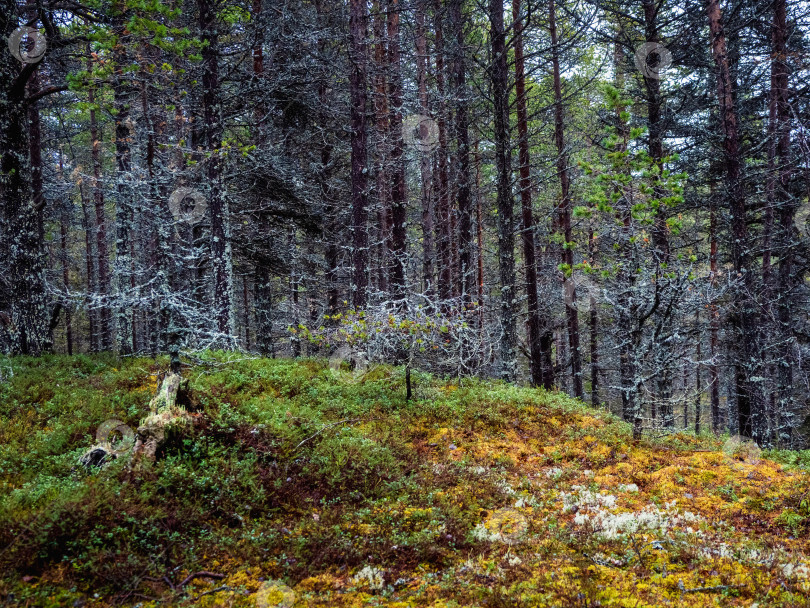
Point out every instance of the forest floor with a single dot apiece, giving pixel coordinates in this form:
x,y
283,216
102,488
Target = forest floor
x,y
298,484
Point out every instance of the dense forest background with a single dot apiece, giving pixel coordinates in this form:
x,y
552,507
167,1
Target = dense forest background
x,y
607,197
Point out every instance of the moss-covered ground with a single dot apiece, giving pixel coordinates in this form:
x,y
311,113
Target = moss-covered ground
x,y
301,485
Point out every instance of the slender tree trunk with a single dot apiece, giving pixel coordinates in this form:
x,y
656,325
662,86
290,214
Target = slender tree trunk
x,y
88,226
358,26
698,386
748,398
533,322
38,206
399,212
593,328
660,238
781,171
64,227
506,233
331,205
63,233
125,335
479,222
565,207
714,323
295,339
463,178
264,306
425,167
382,124
445,276
221,262
103,259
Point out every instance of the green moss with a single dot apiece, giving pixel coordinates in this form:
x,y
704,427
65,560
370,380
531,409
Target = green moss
x,y
290,471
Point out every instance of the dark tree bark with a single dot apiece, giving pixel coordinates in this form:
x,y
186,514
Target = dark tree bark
x,y
748,397
263,289
593,328
714,327
37,192
780,170
382,122
64,226
102,259
328,195
24,315
125,333
565,207
506,234
533,322
445,258
425,168
88,226
462,159
479,222
655,128
221,263
399,212
358,26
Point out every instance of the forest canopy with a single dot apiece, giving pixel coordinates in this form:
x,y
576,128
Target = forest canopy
x,y
603,197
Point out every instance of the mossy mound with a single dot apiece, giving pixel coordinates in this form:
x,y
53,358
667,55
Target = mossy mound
x,y
295,484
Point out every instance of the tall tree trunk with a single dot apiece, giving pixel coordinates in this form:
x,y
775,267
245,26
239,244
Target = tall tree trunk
x,y
425,168
445,258
506,234
357,84
714,322
565,206
221,261
37,192
88,226
23,301
655,129
125,335
698,387
462,175
103,259
533,322
399,212
382,120
748,397
64,228
264,306
781,170
295,338
63,233
330,202
593,328
479,222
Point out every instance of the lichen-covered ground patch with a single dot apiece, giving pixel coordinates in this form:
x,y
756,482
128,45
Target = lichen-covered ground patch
x,y
304,485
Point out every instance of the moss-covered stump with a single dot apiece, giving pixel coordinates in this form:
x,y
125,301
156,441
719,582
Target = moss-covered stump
x,y
165,418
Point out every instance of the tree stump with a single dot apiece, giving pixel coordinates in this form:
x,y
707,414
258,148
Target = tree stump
x,y
164,416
